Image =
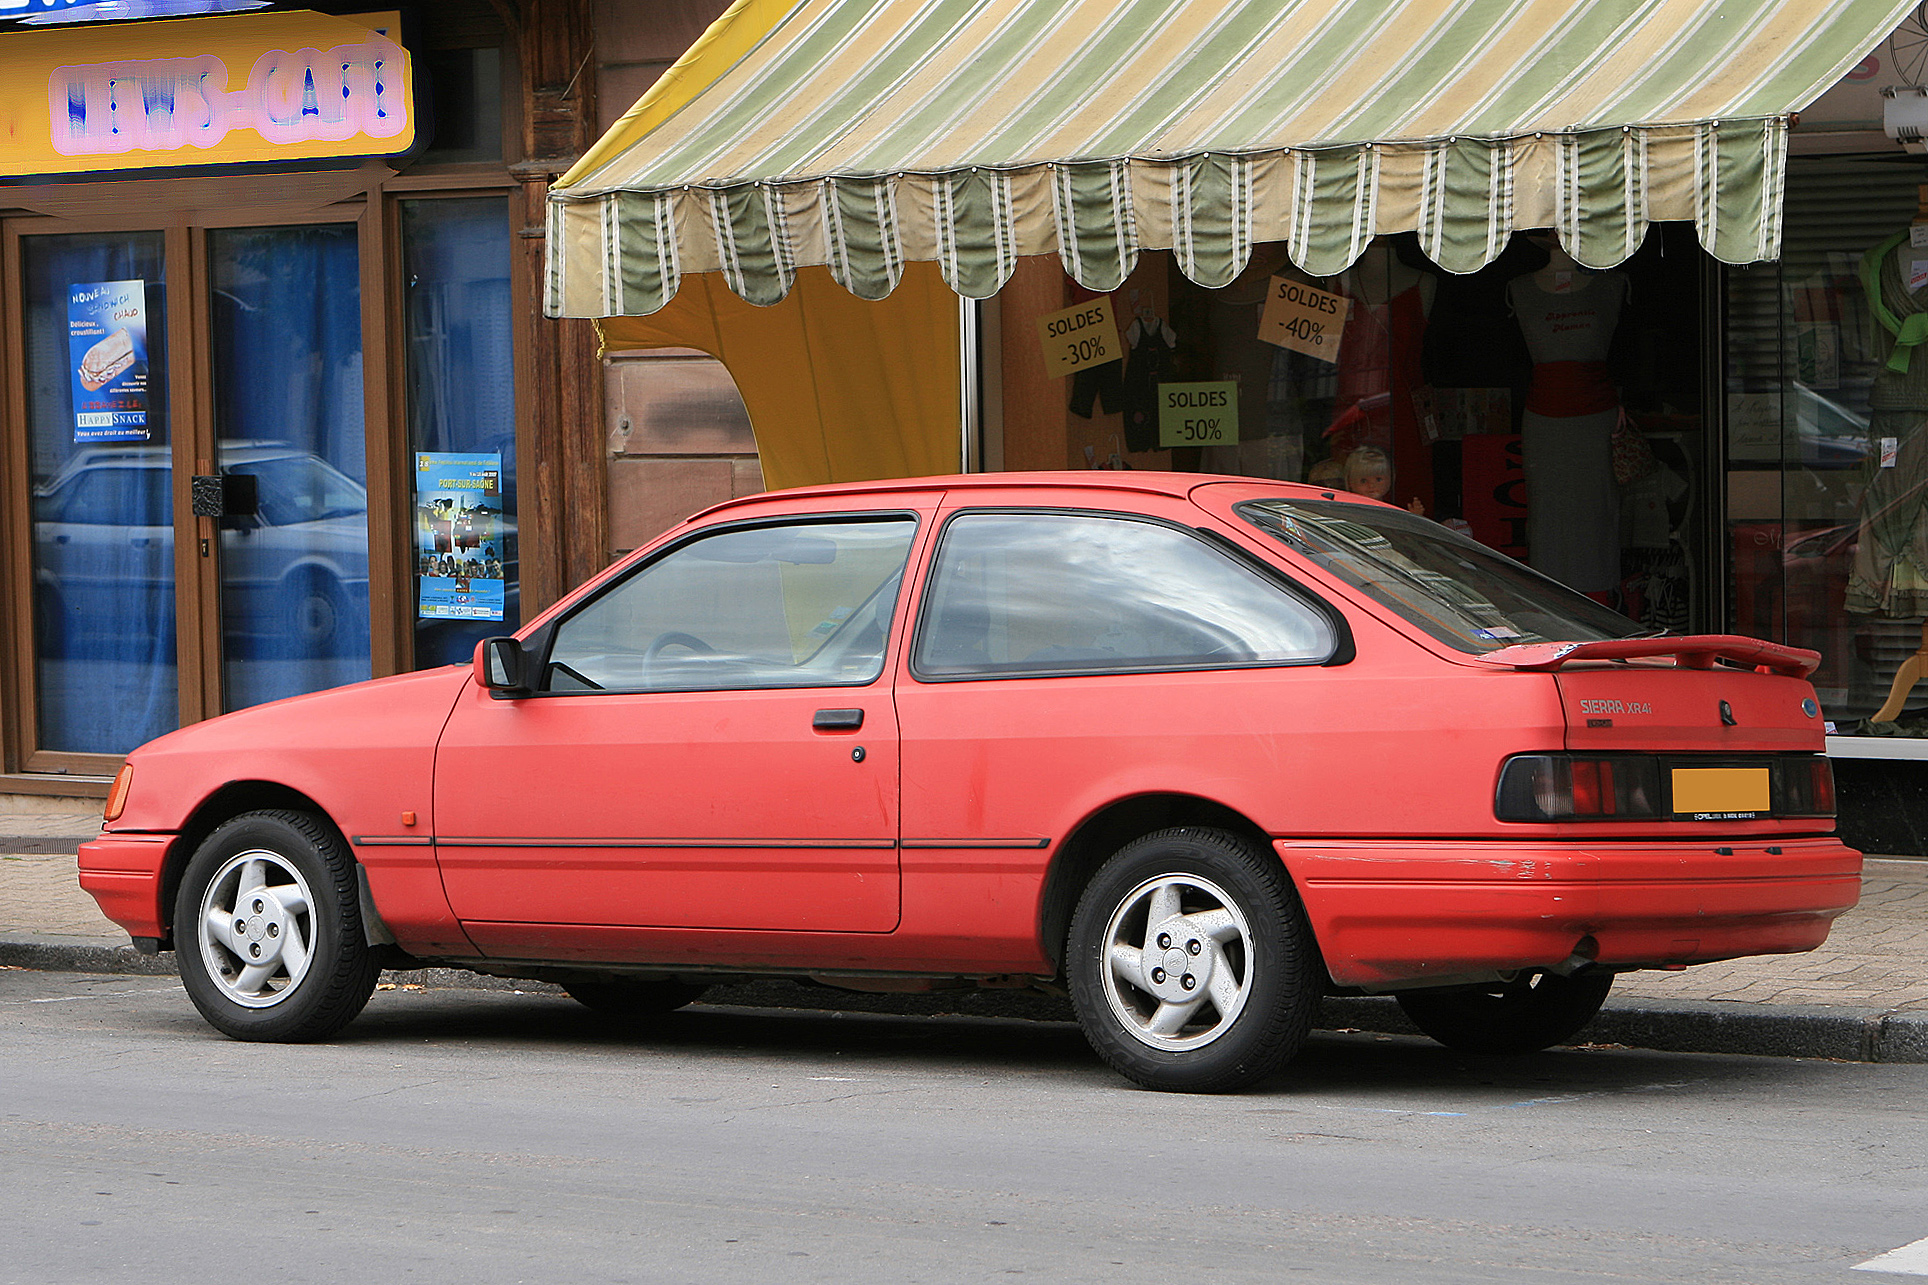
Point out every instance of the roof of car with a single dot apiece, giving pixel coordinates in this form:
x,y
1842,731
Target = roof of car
x,y
1142,481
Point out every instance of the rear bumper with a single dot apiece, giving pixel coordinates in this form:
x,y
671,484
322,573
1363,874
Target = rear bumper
x,y
123,872
1391,913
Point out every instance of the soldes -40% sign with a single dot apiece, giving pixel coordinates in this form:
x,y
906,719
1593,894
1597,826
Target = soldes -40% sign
x,y
1304,318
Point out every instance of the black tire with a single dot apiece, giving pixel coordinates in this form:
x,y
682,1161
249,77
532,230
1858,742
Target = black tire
x,y
280,970
1530,1013
1225,913
631,999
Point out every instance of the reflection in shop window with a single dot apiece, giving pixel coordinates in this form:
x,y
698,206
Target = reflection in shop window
x,y
461,424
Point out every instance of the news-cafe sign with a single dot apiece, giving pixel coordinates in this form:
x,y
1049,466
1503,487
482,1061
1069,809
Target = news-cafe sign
x,y
288,86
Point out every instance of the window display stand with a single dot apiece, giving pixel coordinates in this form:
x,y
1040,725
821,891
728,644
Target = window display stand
x,y
1910,673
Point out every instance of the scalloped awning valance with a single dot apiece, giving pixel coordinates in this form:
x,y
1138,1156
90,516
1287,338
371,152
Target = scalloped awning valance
x,y
862,134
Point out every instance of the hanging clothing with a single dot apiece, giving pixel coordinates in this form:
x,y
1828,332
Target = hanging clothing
x,y
1149,346
1890,572
1572,504
1099,387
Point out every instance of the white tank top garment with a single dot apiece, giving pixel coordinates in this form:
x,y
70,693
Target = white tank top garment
x,y
1573,506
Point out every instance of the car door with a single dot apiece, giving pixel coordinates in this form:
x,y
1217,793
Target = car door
x,y
710,743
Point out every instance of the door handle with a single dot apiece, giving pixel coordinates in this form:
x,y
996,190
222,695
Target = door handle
x,y
837,720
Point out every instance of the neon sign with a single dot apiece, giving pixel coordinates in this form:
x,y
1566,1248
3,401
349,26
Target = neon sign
x,y
284,86
162,104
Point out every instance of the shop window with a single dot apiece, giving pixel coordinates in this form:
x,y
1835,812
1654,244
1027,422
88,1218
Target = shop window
x,y
459,372
1552,412
1052,593
1827,480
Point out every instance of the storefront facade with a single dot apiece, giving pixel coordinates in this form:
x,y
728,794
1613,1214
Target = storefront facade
x,y
1706,445
1696,422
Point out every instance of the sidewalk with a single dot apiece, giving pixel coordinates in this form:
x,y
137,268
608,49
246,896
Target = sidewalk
x,y
1863,996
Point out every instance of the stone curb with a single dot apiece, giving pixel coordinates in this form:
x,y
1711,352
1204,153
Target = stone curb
x,y
1848,1034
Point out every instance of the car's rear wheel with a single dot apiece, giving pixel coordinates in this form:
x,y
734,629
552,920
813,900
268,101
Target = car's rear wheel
x,y
1525,1015
268,929
319,620
1191,964
634,999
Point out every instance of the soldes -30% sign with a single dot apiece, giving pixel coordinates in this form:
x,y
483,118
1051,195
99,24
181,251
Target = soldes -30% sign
x,y
1304,318
1080,336
1198,414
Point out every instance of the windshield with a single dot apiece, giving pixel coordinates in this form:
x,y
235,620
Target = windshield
x,y
1457,590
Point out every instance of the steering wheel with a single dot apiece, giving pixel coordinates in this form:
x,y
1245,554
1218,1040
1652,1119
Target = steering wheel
x,y
663,642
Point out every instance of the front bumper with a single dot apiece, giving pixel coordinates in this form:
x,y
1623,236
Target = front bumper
x,y
1389,914
123,872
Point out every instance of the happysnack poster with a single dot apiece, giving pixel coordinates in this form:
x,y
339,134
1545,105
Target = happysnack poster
x,y
107,348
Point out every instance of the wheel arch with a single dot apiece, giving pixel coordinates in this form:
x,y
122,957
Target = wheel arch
x,y
1100,835
226,803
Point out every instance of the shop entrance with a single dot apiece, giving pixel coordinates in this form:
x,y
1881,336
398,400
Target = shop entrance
x,y
191,441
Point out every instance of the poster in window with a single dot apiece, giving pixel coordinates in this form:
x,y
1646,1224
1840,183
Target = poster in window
x,y
458,536
107,349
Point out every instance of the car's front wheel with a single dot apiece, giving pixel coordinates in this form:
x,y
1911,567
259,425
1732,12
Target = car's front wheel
x,y
268,930
1532,1012
1191,964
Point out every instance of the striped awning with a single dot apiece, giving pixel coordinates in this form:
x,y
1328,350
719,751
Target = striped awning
x,y
861,134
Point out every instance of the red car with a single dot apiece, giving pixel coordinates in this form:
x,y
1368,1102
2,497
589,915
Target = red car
x,y
1197,749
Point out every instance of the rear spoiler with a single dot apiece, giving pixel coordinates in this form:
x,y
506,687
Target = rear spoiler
x,y
1693,651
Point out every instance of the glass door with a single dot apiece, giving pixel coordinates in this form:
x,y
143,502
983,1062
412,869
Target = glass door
x,y
105,669
191,516
286,351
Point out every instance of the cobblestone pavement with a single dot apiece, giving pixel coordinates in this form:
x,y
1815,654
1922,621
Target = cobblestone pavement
x,y
1876,957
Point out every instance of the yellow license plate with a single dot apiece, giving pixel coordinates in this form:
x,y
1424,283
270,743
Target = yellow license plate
x,y
1704,790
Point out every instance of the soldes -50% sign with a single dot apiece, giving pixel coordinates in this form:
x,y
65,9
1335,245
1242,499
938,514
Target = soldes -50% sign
x,y
1304,318
1198,414
1079,337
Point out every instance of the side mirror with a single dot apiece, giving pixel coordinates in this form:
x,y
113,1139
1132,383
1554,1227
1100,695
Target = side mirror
x,y
499,665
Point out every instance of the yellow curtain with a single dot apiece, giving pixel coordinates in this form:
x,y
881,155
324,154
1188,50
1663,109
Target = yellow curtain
x,y
838,389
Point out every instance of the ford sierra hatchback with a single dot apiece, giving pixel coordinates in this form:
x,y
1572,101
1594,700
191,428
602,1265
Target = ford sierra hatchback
x,y
1196,750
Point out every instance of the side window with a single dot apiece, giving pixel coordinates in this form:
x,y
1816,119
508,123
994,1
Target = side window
x,y
1056,593
803,605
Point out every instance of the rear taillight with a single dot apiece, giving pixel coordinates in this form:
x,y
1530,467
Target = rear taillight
x,y
1567,787
1804,787
1636,787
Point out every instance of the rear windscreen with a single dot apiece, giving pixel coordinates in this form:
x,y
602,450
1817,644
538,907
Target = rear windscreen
x,y
1457,590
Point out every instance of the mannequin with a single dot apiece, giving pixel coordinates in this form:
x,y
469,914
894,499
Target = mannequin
x,y
1567,315
1890,573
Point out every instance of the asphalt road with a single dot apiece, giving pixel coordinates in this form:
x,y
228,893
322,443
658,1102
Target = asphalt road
x,y
477,1136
